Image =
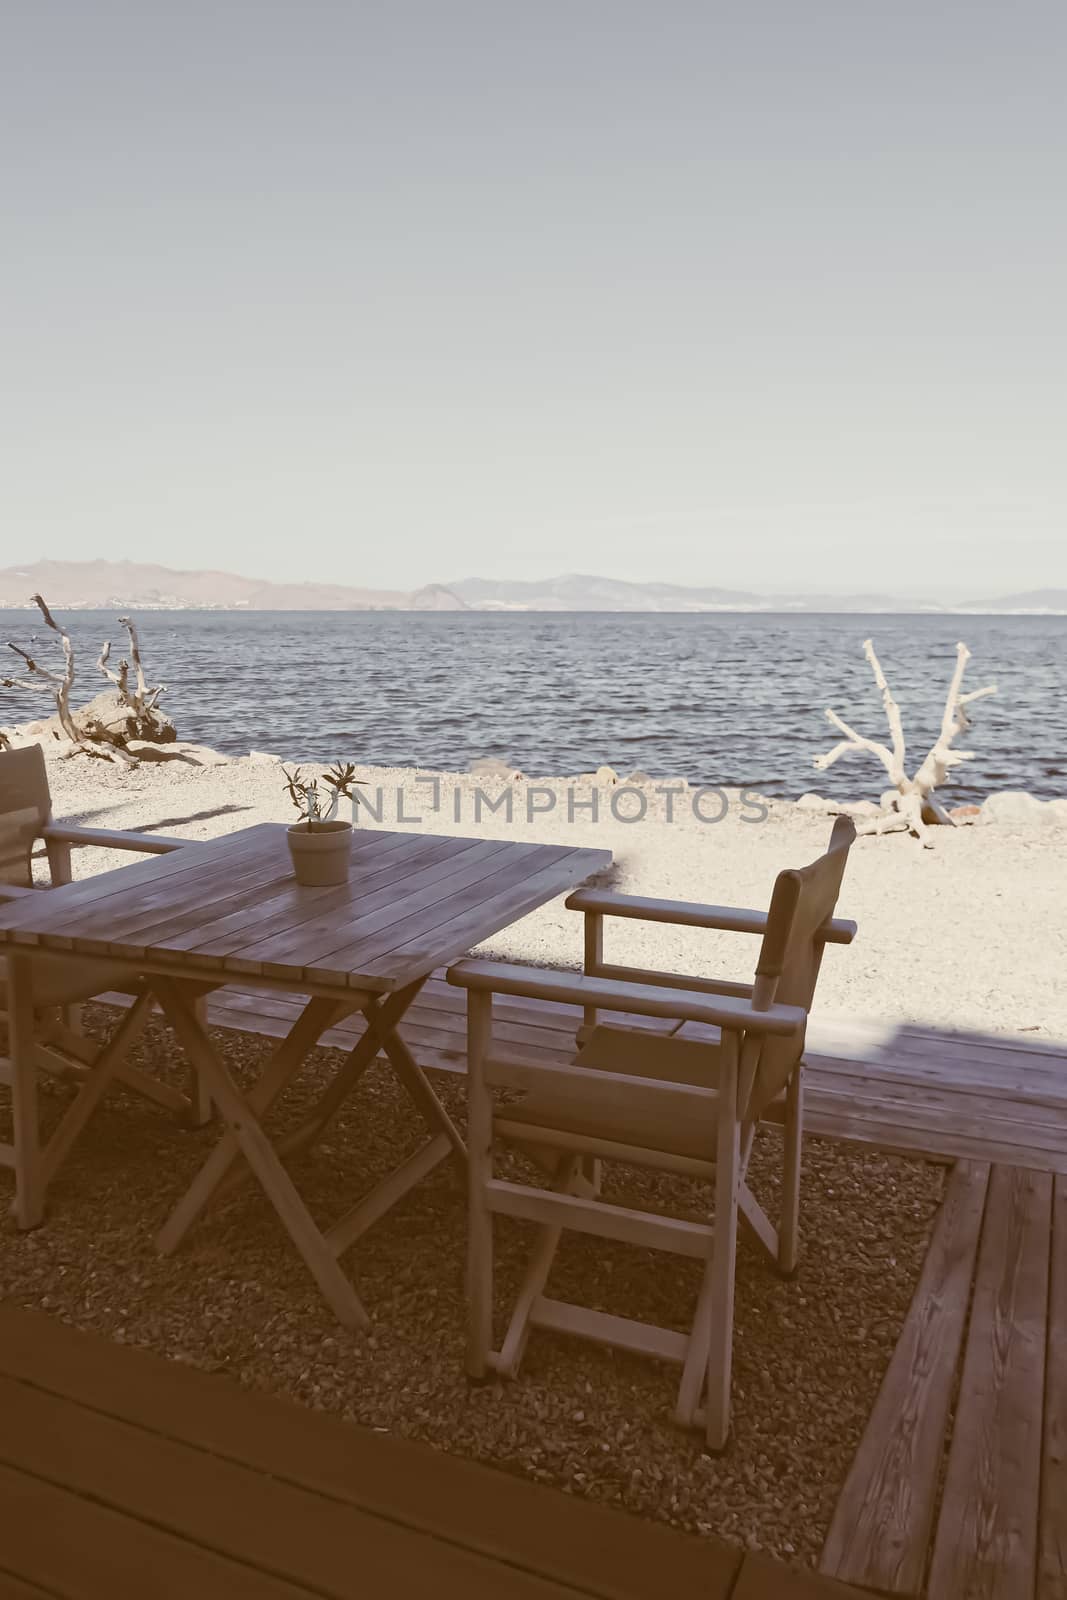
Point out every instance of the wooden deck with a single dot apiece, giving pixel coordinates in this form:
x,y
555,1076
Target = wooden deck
x,y
124,1476
946,1095
959,1488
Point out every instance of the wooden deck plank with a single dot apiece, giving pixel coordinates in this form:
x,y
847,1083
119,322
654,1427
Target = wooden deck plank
x,y
965,1115
523,1525
247,1516
938,1141
75,1548
986,1541
1052,1556
880,1531
13,1587
763,1579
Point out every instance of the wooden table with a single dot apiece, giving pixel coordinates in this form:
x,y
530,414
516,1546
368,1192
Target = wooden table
x,y
230,911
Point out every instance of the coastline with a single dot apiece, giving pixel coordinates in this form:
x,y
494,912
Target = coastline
x,y
934,924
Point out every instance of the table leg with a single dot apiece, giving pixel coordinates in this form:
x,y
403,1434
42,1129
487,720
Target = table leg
x,y
446,1141
254,1145
98,1076
316,1017
29,1178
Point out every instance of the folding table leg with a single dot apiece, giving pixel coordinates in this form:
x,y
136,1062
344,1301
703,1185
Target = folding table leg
x,y
286,1061
257,1151
445,1141
95,1084
381,1016
29,1179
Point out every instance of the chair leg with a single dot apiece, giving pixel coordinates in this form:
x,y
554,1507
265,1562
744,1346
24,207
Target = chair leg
x,y
479,1173
29,1179
568,1171
723,1254
792,1139
201,1105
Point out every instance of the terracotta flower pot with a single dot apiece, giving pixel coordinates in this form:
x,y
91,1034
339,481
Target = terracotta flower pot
x,y
322,853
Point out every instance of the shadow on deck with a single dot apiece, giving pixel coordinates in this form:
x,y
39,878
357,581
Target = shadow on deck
x,y
124,1476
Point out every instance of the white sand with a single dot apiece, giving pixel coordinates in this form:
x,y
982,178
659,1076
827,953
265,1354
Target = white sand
x,y
971,933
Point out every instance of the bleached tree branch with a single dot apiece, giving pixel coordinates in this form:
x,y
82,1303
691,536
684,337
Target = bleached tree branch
x,y
915,803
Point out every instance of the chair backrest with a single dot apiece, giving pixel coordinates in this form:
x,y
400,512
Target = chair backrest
x,y
25,807
803,902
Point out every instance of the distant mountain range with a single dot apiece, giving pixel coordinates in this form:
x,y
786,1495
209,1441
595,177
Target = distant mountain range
x,y
139,586
96,585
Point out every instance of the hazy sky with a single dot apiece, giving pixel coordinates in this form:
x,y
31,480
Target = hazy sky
x,y
760,294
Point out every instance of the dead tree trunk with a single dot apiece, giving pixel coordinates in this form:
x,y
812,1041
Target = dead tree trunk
x,y
58,685
915,804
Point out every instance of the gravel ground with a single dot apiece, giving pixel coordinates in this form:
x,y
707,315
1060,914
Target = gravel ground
x,y
809,1354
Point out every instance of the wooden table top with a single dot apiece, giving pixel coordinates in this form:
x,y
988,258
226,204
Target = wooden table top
x,y
414,901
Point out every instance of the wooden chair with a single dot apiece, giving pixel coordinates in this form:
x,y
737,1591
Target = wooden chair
x,y
59,986
682,1094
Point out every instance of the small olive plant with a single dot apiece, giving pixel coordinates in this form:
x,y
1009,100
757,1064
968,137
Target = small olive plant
x,y
317,804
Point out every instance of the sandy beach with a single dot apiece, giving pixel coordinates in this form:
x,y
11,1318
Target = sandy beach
x,y
971,933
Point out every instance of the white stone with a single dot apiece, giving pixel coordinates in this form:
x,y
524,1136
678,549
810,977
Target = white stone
x,y
263,758
1013,808
606,775
814,802
491,767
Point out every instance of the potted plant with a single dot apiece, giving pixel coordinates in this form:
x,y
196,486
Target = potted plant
x,y
320,843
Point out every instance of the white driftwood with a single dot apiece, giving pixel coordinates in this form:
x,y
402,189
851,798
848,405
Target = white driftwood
x,y
141,698
58,685
87,731
913,803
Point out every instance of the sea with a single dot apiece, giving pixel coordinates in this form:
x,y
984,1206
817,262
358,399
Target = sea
x,y
720,698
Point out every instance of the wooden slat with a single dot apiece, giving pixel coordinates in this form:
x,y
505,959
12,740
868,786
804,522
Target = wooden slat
x,y
868,1040
1052,1555
28,922
599,1217
77,1549
986,1541
651,1000
249,882
524,1525
457,863
882,1523
912,1134
287,905
644,1338
378,951
249,1517
970,1114
15,1588
762,1579
1028,1079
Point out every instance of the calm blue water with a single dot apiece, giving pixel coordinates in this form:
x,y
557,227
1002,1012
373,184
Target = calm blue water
x,y
720,699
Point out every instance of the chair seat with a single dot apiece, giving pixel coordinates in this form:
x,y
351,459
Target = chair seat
x,y
65,981
641,1114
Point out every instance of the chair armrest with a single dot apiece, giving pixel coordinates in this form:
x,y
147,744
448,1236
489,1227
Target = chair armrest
x,y
644,999
15,891
152,844
690,914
